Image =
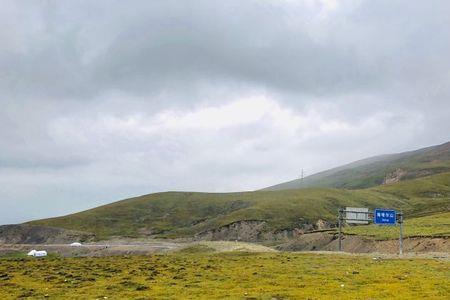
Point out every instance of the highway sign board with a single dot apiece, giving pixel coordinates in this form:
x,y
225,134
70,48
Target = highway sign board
x,y
385,216
357,215
361,215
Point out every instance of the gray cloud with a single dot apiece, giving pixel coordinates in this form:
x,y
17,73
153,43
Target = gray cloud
x,y
108,99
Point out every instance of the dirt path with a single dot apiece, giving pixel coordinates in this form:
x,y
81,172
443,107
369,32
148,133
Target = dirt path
x,y
96,249
315,243
128,247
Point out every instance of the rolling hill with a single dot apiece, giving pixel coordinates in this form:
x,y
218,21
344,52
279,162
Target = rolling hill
x,y
251,215
378,170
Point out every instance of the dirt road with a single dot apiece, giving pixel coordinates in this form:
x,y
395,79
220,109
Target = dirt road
x,y
96,249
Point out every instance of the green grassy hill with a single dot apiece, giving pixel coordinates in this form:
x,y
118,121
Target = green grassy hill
x,y
376,170
177,214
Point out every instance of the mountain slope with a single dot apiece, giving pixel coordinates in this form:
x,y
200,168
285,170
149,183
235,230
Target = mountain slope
x,y
378,170
178,214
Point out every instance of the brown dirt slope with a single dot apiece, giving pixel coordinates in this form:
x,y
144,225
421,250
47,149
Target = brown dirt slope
x,y
323,241
36,234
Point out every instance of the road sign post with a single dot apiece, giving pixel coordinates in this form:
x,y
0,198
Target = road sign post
x,y
400,242
357,215
354,215
390,217
341,215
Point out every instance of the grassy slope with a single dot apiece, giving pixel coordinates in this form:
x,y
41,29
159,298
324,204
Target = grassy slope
x,y
372,171
225,276
176,214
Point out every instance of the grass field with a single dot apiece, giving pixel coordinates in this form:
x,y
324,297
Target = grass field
x,y
176,214
199,274
437,225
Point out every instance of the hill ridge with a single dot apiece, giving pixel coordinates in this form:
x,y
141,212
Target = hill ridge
x,y
373,171
181,214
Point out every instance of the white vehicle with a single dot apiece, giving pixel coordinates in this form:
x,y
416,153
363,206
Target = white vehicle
x,y
36,253
76,244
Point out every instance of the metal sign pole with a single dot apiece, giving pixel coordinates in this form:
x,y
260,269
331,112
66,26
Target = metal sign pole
x,y
340,228
401,234
361,215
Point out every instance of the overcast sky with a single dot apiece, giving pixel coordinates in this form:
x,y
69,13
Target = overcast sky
x,y
104,100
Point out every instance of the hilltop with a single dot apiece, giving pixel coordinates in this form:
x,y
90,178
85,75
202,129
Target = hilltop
x,y
378,170
251,216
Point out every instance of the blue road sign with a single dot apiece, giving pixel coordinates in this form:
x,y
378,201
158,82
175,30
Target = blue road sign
x,y
385,216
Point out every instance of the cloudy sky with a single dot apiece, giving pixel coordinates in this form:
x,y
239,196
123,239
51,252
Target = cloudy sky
x,y
103,100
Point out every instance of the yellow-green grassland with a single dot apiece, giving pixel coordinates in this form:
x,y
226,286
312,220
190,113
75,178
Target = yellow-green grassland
x,y
202,274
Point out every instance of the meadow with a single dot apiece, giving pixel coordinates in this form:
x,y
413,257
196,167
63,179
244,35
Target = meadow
x,y
200,273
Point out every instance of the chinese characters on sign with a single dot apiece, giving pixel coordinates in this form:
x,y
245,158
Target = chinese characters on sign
x,y
385,216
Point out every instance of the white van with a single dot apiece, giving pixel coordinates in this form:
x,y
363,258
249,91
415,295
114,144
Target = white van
x,y
36,253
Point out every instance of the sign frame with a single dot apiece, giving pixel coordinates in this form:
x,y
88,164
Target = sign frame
x,y
396,219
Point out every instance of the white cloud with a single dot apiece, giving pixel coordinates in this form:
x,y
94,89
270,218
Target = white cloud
x,y
100,104
256,110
